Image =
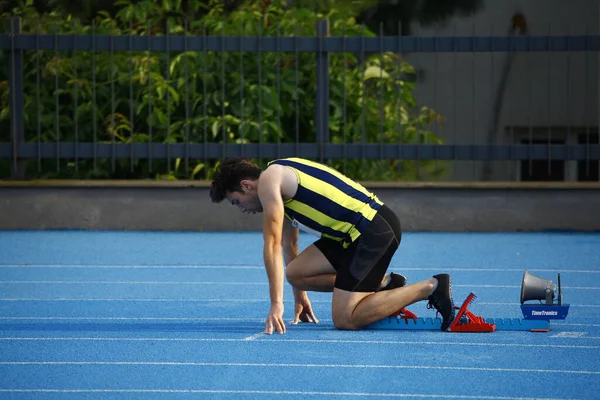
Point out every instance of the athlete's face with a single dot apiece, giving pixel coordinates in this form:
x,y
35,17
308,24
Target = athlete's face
x,y
247,200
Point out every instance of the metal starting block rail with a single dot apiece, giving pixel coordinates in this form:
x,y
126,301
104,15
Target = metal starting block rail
x,y
435,324
465,321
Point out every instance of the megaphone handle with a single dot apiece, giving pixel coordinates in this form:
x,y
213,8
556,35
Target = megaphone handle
x,y
559,292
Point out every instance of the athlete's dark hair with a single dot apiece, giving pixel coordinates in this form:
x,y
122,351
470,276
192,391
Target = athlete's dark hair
x,y
229,175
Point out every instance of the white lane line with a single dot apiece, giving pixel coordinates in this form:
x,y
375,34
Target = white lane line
x,y
297,365
278,392
519,286
128,319
217,266
274,339
254,337
238,283
240,319
52,266
130,283
484,270
183,300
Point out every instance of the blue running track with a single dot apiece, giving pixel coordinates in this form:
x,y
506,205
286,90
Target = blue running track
x,y
113,315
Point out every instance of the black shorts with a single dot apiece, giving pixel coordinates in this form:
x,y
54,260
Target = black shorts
x,y
362,265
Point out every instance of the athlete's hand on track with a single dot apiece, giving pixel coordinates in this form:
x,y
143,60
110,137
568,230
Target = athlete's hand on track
x,y
275,319
303,310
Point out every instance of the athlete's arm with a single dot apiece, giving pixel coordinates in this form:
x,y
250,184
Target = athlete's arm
x,y
290,248
289,241
269,192
302,307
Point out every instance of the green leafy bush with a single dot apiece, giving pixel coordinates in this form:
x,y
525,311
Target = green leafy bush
x,y
174,97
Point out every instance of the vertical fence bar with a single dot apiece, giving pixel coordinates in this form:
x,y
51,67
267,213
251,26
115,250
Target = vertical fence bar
x,y
94,110
168,62
435,91
204,101
187,100
131,105
297,76
568,84
363,62
223,123
530,104
381,113
400,92
150,119
598,93
56,102
75,101
16,99
37,97
322,100
260,93
510,113
454,100
278,84
494,139
474,101
242,127
588,95
112,100
548,99
417,75
491,136
344,104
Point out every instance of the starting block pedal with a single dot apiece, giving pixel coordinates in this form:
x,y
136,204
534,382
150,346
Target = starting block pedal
x,y
465,321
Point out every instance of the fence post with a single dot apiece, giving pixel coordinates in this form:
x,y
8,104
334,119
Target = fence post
x,y
15,59
322,100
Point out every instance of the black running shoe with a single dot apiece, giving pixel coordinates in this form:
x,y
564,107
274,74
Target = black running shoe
x,y
396,281
441,300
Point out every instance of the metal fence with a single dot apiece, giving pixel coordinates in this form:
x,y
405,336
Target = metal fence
x,y
36,142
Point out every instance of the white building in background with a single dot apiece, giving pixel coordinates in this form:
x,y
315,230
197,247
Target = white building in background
x,y
551,93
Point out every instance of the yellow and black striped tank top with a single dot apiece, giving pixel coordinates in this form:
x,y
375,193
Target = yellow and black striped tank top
x,y
327,203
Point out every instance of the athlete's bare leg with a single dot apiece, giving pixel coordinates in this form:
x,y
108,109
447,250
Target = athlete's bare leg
x,y
354,310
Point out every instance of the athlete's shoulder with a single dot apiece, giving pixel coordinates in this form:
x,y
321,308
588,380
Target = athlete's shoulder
x,y
283,176
272,172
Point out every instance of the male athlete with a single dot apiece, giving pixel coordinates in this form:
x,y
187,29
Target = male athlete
x,y
358,235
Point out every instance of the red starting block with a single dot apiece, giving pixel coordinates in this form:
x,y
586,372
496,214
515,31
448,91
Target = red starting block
x,y
465,321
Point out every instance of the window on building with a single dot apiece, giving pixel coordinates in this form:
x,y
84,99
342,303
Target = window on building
x,y
542,170
555,170
587,170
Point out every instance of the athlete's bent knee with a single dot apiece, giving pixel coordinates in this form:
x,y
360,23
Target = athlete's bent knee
x,y
292,276
343,322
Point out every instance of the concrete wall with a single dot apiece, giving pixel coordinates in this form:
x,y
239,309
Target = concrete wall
x,y
557,89
178,206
